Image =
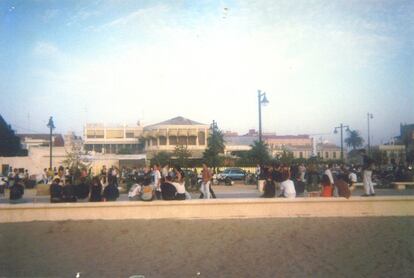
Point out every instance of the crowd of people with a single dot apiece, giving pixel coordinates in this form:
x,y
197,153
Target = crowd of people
x,y
171,183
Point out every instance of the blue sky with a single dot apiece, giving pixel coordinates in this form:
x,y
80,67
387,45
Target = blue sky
x,y
321,63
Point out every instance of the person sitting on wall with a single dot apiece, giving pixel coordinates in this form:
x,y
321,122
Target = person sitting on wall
x,y
287,187
168,190
327,188
179,184
269,187
82,189
111,192
16,191
68,192
96,190
56,191
342,187
299,185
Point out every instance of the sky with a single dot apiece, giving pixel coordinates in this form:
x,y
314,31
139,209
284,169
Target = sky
x,y
320,63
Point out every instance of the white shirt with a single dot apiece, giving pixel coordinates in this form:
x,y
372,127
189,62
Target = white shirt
x,y
329,174
352,177
288,189
180,187
157,177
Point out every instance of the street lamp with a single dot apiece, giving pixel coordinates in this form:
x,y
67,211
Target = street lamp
x,y
261,99
341,127
50,125
369,116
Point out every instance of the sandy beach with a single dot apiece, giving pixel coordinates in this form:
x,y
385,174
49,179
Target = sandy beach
x,y
298,247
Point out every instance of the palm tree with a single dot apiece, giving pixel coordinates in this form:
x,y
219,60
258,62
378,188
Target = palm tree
x,y
354,139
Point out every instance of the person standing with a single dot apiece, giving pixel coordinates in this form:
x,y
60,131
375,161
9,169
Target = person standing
x,y
328,172
156,181
206,181
367,175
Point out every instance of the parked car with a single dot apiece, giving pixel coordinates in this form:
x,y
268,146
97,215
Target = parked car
x,y
231,174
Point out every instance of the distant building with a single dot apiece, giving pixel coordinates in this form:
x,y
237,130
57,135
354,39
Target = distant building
x,y
407,136
328,151
394,153
167,135
112,139
29,140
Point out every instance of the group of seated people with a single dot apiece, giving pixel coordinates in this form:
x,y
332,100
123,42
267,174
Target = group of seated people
x,y
171,187
94,192
296,188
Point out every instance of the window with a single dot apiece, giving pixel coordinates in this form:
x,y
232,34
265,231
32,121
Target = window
x,y
192,140
201,138
334,154
129,134
114,134
163,141
182,140
300,154
154,142
319,154
173,140
326,155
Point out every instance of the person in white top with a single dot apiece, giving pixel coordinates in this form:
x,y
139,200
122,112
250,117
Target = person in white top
x,y
352,178
328,172
179,185
287,186
156,181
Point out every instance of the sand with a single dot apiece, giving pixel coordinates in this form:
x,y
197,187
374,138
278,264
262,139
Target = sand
x,y
294,247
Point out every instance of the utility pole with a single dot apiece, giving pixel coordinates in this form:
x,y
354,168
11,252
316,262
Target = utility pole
x,y
341,127
369,116
51,126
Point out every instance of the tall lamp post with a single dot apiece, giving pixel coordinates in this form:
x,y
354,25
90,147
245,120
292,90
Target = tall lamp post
x,y
341,127
51,126
261,99
369,116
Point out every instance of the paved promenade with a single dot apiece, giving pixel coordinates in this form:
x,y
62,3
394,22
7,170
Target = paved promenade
x,y
287,247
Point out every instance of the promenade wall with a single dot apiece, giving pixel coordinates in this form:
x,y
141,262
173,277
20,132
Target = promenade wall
x,y
211,209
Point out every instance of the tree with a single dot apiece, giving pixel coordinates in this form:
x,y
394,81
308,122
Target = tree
x,y
354,139
161,158
215,147
76,161
9,142
259,153
182,154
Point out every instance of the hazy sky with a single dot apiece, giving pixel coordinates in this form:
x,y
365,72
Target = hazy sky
x,y
320,62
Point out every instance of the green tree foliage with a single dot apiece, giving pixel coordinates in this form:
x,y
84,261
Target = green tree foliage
x,y
354,139
259,153
215,147
182,155
9,142
161,158
76,161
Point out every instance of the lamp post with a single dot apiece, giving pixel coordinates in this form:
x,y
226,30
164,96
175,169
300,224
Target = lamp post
x,y
261,99
341,127
51,126
369,116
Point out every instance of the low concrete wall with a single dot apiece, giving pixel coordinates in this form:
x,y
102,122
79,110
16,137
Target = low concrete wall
x,y
211,209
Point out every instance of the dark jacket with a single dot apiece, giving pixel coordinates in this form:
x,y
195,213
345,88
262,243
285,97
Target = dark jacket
x,y
111,192
96,195
168,191
16,191
68,193
82,191
56,192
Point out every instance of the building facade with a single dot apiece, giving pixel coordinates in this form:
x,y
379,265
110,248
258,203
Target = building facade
x,y
179,131
113,139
